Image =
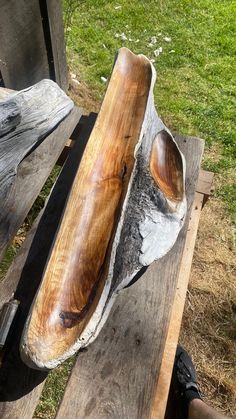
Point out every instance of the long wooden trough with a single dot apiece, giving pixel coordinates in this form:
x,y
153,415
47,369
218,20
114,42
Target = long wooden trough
x,y
126,371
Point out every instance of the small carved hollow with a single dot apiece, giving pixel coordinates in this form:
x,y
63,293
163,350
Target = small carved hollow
x,y
166,166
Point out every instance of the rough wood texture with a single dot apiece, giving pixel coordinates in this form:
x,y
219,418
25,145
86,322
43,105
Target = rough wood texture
x,y
4,93
22,50
204,184
54,12
164,377
19,401
32,43
21,169
118,372
125,219
26,117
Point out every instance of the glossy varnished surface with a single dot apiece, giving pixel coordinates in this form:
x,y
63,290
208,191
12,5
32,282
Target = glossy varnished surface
x,y
76,269
166,166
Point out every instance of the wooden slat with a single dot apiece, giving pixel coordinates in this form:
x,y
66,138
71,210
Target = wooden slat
x,y
204,184
20,386
57,42
163,384
65,152
31,175
22,49
117,375
32,43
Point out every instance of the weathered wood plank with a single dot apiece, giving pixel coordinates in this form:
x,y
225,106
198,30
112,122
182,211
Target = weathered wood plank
x,y
26,117
30,175
4,93
32,43
117,374
22,49
204,184
19,401
57,42
164,378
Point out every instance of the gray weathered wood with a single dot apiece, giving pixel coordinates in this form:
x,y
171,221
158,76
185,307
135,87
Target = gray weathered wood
x,y
4,93
29,173
205,183
23,54
116,376
19,401
26,117
158,410
32,43
58,43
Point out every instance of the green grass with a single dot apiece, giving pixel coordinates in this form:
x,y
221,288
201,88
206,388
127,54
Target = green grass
x,y
7,260
227,192
41,198
196,84
53,391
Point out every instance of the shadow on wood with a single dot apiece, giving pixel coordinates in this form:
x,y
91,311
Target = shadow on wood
x,y
16,379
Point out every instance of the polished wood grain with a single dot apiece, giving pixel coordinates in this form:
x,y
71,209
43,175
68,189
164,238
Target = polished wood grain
x,y
166,166
77,266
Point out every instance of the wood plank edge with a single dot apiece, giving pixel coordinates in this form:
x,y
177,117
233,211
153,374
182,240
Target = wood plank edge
x,y
163,383
205,184
75,136
205,181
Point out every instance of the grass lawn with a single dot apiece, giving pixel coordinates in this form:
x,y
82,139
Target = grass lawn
x,y
192,44
196,82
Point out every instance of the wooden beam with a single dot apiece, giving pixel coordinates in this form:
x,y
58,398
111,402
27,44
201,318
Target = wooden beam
x,y
32,43
163,383
56,28
23,51
204,184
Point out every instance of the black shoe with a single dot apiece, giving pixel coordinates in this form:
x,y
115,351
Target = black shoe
x,y
184,382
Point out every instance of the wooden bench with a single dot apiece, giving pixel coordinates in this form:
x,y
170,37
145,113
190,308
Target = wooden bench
x,y
126,372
